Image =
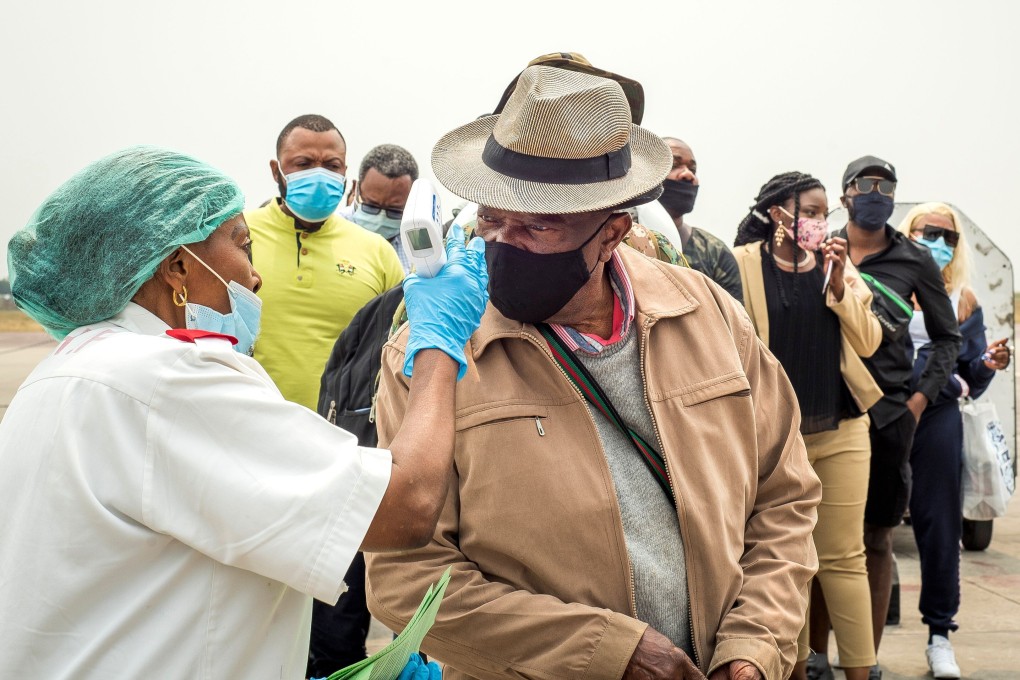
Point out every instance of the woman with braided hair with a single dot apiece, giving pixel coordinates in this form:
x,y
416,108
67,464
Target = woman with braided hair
x,y
812,310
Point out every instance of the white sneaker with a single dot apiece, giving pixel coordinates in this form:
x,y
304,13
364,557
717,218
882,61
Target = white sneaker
x,y
941,659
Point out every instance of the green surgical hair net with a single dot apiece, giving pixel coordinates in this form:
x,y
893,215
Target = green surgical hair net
x,y
91,245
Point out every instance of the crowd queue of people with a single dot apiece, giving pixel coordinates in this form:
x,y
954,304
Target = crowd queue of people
x,y
667,459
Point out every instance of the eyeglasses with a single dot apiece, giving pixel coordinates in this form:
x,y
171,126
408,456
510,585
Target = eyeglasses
x,y
932,233
372,209
865,185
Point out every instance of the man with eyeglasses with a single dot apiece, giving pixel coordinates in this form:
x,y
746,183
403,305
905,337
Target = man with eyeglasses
x,y
908,271
380,193
318,269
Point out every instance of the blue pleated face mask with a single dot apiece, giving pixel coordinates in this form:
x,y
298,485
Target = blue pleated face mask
x,y
380,222
940,250
314,194
242,322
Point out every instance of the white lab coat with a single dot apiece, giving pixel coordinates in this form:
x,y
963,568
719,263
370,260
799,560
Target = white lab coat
x,y
167,514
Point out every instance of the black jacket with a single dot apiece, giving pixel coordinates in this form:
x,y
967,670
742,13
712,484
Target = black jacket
x,y
908,268
969,364
348,382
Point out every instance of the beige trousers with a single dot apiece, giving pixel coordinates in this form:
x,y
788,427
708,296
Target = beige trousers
x,y
841,459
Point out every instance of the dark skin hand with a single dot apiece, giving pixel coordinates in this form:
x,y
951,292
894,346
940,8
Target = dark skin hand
x,y
834,251
736,670
916,405
998,355
657,658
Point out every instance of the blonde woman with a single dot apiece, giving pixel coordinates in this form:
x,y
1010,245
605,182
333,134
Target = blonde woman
x,y
936,457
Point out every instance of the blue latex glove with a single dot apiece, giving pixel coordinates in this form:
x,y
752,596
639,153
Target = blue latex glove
x,y
445,310
416,669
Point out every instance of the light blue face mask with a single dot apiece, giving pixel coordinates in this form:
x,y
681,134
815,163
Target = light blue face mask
x,y
387,227
314,194
242,322
942,252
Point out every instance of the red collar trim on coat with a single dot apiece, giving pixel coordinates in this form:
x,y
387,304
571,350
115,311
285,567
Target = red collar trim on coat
x,y
190,335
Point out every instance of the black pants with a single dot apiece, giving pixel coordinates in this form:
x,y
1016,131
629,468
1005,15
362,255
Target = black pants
x,y
339,633
889,481
936,511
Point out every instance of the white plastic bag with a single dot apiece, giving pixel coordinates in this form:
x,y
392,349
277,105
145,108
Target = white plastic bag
x,y
988,481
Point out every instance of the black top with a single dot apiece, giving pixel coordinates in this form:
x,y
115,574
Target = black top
x,y
908,268
804,334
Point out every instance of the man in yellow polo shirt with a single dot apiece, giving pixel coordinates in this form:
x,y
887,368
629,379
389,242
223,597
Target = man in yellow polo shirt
x,y
317,268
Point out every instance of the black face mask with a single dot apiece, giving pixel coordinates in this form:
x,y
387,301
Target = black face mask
x,y
870,211
678,197
532,287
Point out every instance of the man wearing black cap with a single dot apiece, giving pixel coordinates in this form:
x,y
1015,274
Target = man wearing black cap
x,y
899,269
604,520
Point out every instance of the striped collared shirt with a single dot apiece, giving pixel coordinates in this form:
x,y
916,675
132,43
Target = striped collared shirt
x,y
624,293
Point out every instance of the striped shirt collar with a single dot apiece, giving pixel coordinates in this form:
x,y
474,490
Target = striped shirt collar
x,y
620,282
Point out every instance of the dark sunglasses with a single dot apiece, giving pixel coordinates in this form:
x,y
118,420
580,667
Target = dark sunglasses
x,y
372,209
932,233
866,185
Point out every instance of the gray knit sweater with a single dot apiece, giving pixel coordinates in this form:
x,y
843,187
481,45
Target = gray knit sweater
x,y
650,524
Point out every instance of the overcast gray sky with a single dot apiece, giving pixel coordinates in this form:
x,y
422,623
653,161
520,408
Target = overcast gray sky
x,y
756,88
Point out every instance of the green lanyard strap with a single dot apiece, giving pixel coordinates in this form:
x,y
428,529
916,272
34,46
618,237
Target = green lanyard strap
x,y
591,390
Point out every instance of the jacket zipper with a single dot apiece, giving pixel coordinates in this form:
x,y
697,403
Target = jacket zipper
x,y
331,415
645,330
538,424
545,350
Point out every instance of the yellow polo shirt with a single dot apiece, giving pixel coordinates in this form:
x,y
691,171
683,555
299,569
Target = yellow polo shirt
x,y
312,286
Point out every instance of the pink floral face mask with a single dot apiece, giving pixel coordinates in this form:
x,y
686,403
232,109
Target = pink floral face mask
x,y
811,232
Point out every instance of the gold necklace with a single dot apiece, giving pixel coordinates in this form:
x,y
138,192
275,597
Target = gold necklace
x,y
786,263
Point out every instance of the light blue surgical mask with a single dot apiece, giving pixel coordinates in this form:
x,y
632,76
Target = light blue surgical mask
x,y
940,250
314,194
380,223
242,322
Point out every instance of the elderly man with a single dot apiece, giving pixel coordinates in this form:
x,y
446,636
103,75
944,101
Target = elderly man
x,y
604,521
380,194
317,268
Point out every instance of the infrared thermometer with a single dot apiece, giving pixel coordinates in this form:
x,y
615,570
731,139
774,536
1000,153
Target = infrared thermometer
x,y
421,229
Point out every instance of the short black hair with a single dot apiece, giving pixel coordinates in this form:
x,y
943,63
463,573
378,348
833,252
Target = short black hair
x,y
309,121
390,160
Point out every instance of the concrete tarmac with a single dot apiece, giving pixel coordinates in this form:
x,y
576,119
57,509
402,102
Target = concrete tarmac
x,y
987,644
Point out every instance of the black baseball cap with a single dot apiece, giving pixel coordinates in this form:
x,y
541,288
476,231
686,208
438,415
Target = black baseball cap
x,y
865,163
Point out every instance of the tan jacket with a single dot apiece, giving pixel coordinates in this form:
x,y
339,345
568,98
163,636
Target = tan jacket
x,y
541,583
860,330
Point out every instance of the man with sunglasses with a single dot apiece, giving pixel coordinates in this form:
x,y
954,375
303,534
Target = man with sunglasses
x,y
317,268
377,200
908,270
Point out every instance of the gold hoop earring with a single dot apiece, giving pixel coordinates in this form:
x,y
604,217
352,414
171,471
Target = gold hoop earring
x,y
779,235
182,295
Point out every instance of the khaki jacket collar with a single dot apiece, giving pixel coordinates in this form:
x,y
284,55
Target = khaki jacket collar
x,y
658,294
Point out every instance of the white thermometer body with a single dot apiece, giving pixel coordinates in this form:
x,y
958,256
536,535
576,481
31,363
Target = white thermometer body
x,y
421,229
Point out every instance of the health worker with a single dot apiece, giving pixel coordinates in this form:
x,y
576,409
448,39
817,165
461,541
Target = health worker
x,y
166,511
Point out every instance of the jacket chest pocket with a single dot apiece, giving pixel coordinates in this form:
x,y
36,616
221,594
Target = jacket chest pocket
x,y
731,385
508,421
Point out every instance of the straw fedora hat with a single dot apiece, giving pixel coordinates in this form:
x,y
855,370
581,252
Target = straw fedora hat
x,y
564,143
575,61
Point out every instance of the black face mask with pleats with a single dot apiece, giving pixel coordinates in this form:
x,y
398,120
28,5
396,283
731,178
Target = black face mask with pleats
x,y
678,197
871,211
532,287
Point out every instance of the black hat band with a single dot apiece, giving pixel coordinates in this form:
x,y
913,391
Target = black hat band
x,y
612,165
